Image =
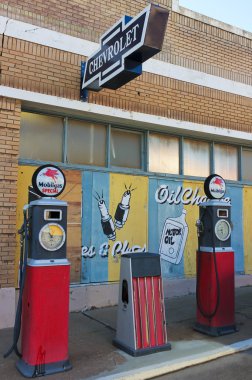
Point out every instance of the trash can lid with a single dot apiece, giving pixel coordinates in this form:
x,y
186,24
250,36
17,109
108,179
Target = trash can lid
x,y
143,264
139,255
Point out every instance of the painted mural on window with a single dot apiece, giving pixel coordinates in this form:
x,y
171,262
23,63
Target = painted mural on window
x,y
125,213
175,228
147,213
110,225
173,239
121,215
114,222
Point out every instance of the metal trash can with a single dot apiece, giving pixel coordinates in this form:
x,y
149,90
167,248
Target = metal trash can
x,y
141,324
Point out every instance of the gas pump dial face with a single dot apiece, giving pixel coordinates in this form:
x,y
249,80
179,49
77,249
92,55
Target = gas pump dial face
x,y
52,236
222,230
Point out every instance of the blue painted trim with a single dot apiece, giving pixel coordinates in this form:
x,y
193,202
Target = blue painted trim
x,y
153,236
95,186
86,223
157,217
135,172
99,264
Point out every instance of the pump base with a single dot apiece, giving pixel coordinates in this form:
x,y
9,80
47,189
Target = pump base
x,y
141,351
215,331
28,370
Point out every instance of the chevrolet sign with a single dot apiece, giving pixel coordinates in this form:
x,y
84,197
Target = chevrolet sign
x,y
124,47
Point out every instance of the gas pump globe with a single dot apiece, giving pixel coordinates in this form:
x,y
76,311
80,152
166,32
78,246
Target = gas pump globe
x,y
215,262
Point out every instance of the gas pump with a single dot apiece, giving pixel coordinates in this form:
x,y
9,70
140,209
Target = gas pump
x,y
43,307
215,262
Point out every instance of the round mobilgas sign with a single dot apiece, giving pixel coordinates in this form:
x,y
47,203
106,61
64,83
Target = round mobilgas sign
x,y
215,187
48,181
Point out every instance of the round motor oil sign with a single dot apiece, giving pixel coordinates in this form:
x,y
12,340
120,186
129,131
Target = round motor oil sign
x,y
215,187
48,181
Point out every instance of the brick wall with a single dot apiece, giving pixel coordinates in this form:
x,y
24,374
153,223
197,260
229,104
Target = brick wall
x,y
39,68
47,70
188,42
180,100
81,18
9,143
194,44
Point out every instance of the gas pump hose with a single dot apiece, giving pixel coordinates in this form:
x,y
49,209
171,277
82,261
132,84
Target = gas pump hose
x,y
22,271
199,304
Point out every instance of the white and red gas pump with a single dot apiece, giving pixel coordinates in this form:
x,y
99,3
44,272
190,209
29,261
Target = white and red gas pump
x,y
215,263
43,308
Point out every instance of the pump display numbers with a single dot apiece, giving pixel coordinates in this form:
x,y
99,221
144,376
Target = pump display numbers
x,y
221,213
222,230
52,236
53,215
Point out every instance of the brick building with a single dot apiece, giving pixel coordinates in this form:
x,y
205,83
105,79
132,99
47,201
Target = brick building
x,y
188,115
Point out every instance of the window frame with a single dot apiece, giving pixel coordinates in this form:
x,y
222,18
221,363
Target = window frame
x,y
179,153
242,148
142,147
65,148
183,153
144,170
28,160
238,158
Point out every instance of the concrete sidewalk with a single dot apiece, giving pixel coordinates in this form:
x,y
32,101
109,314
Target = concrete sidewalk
x,y
93,355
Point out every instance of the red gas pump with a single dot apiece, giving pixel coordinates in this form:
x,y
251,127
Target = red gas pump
x,y
43,307
215,263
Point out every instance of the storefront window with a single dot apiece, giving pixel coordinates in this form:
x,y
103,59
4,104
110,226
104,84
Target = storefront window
x,y
125,149
163,154
247,164
226,161
41,137
196,158
86,143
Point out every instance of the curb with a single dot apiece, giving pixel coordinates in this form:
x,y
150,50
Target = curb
x,y
149,372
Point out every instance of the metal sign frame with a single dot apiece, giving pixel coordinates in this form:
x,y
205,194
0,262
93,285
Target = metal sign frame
x,y
124,47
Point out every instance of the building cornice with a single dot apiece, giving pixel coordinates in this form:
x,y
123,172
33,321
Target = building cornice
x,y
210,21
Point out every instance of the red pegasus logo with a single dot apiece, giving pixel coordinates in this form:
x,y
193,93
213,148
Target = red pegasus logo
x,y
218,181
52,173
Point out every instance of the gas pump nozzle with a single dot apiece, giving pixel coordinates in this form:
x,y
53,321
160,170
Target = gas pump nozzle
x,y
22,230
200,227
